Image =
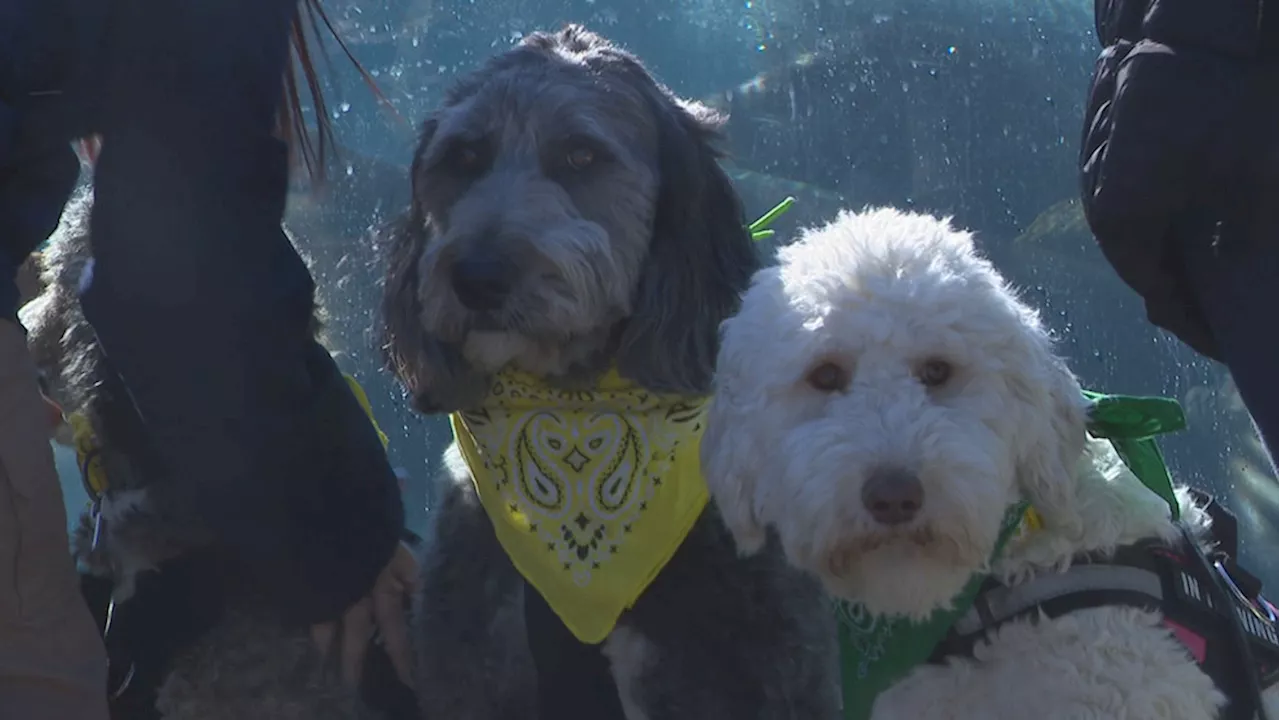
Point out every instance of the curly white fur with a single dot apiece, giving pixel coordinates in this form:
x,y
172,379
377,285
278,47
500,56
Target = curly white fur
x,y
883,295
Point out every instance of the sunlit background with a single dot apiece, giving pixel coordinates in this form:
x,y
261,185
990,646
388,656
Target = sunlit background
x,y
970,108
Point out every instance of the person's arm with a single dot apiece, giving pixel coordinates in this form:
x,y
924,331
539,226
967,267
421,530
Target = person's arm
x,y
203,308
1179,137
37,167
1239,28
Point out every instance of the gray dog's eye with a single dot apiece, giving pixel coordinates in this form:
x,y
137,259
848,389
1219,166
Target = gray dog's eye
x,y
463,160
828,377
934,373
579,158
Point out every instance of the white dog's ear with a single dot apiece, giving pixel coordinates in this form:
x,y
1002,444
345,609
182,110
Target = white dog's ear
x,y
730,450
1049,430
726,466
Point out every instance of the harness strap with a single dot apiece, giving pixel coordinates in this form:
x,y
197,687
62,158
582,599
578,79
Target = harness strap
x,y
998,605
1128,579
1148,575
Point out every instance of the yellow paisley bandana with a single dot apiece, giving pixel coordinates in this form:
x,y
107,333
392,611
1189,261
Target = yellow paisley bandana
x,y
590,493
89,451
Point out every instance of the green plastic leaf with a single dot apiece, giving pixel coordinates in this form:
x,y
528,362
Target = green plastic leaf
x,y
1131,423
762,225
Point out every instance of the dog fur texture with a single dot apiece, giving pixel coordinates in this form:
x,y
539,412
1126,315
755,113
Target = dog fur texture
x,y
247,666
881,350
593,195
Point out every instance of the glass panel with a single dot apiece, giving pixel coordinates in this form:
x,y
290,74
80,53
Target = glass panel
x,y
971,109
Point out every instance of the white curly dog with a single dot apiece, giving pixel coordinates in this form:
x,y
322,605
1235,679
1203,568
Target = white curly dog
x,y
882,399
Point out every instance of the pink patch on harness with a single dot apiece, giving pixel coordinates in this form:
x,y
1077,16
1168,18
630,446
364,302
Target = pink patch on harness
x,y
1193,642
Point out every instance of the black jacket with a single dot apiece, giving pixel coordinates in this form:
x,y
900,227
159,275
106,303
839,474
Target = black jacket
x,y
199,302
1180,137
37,166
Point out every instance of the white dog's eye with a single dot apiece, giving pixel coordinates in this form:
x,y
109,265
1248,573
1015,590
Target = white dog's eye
x,y
828,377
580,158
934,373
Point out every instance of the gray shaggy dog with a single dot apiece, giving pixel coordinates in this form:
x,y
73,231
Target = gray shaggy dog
x,y
235,660
569,215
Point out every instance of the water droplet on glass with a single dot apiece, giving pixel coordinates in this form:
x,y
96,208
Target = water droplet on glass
x,y
345,107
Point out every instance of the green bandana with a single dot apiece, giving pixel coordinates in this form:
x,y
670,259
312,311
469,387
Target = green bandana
x,y
876,652
1131,424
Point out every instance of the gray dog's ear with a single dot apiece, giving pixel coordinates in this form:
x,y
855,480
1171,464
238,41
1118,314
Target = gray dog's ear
x,y
434,373
735,450
700,260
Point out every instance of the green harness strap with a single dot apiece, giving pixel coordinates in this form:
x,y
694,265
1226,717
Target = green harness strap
x,y
876,652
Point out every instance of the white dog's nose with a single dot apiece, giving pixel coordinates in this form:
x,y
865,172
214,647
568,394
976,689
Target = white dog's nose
x,y
893,496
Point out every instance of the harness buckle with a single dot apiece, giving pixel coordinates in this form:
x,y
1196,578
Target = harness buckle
x,y
1235,589
1257,622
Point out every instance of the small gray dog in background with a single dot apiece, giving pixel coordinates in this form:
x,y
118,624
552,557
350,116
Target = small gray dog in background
x,y
569,216
226,654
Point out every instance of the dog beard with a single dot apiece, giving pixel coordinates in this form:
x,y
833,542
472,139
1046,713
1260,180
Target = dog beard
x,y
909,573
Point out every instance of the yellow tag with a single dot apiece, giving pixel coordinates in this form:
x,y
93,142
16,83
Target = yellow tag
x,y
1031,520
88,455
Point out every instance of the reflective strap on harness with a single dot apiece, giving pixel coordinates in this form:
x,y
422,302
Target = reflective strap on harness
x,y
1128,577
1003,603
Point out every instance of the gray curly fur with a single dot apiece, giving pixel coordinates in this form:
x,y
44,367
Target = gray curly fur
x,y
246,667
145,523
633,263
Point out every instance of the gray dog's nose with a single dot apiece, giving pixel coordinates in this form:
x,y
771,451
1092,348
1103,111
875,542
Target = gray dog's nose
x,y
482,282
892,496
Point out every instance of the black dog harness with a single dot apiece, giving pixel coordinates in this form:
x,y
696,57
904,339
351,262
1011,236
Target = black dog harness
x,y
1173,581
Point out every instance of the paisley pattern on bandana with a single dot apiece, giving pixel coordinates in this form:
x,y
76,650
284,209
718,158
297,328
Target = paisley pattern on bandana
x,y
590,492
